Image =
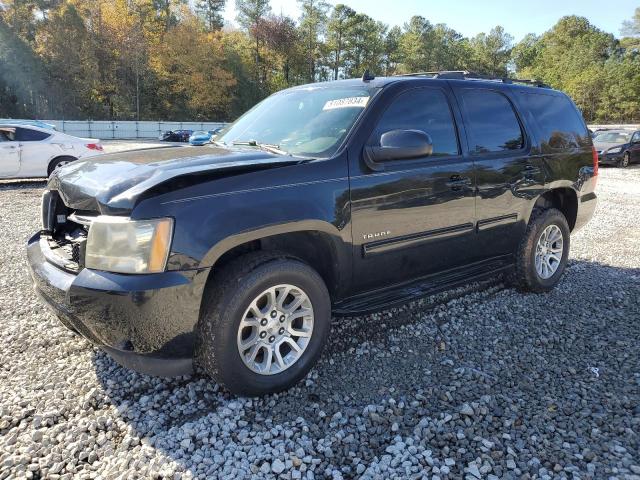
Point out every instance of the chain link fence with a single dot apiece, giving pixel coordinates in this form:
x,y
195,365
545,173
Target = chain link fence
x,y
106,130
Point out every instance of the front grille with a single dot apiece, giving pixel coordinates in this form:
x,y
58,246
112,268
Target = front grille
x,y
75,252
65,232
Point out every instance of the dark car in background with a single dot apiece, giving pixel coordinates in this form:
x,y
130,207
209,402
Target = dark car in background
x,y
337,198
177,136
618,147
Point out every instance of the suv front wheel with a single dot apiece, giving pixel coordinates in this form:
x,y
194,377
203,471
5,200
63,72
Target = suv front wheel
x,y
542,256
266,320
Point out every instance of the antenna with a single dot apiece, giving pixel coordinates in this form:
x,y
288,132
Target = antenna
x,y
367,77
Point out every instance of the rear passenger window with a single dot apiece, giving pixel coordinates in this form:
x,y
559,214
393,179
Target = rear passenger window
x,y
558,121
28,135
491,123
425,109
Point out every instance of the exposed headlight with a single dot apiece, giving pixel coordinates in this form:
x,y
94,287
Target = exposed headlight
x,y
118,244
614,150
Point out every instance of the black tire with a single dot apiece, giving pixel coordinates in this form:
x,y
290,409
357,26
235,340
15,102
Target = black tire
x,y
227,299
53,164
525,277
625,161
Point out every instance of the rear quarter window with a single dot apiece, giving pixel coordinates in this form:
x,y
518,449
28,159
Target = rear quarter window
x,y
558,122
28,135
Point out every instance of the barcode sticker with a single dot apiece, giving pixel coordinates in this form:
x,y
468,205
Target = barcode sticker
x,y
350,102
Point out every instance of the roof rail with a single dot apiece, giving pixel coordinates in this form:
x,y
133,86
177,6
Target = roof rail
x,y
467,75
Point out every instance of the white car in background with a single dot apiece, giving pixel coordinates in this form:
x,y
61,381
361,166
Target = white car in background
x,y
32,151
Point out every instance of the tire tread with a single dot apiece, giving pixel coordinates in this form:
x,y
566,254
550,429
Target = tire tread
x,y
523,279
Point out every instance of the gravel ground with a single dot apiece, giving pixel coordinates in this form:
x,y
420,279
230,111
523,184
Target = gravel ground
x,y
481,382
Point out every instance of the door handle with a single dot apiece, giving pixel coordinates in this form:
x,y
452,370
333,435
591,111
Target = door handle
x,y
457,182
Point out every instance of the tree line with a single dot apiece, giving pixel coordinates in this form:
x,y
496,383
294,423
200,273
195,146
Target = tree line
x,y
171,59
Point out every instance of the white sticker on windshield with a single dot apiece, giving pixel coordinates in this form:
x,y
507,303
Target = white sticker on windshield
x,y
350,102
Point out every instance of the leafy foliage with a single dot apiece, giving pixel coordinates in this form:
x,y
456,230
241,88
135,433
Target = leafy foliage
x,y
161,59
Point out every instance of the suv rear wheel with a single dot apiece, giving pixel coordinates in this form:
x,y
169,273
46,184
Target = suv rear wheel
x,y
543,252
266,320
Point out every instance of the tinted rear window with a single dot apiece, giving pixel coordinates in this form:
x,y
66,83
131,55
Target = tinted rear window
x,y
492,124
560,126
28,135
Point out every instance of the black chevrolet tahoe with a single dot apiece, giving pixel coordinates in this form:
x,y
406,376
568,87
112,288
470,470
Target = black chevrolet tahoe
x,y
331,199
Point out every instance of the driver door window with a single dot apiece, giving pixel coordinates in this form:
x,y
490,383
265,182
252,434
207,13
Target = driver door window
x,y
425,109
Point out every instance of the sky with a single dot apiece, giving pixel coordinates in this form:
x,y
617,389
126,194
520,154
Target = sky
x,y
471,17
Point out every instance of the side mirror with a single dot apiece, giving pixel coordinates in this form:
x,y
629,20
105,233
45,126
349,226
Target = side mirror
x,y
399,145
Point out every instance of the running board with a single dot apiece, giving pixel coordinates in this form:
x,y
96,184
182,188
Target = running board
x,y
435,283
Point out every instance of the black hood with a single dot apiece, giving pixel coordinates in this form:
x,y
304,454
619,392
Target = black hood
x,y
113,183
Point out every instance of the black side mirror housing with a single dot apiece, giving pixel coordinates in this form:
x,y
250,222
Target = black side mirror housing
x,y
398,145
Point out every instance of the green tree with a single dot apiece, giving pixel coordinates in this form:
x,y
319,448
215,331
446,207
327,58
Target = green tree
x,y
631,27
620,90
337,30
451,49
199,83
250,14
26,86
20,15
392,55
631,31
365,45
211,12
571,56
416,45
76,67
282,40
525,53
491,53
313,24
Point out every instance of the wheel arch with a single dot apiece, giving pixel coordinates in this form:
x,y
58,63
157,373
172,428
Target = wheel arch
x,y
56,159
318,244
564,199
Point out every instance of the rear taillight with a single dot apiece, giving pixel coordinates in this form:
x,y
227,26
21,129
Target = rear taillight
x,y
94,146
594,153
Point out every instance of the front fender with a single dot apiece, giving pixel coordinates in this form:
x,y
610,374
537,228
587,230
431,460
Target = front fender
x,y
267,231
215,216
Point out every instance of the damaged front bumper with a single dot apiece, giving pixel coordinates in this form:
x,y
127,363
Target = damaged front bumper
x,y
145,322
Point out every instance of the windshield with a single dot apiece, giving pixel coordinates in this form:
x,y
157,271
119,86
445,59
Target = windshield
x,y
613,137
309,122
199,134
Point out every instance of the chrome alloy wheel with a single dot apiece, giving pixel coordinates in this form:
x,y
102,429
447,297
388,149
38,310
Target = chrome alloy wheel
x,y
549,251
276,329
626,159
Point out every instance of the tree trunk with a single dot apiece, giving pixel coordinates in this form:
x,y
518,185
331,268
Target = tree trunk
x,y
337,64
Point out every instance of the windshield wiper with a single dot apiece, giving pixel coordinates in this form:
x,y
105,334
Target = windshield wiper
x,y
269,147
